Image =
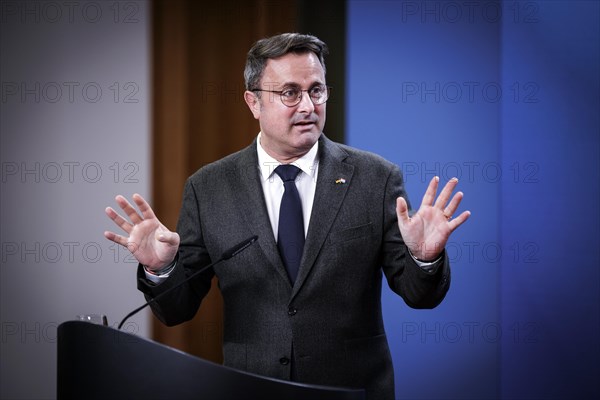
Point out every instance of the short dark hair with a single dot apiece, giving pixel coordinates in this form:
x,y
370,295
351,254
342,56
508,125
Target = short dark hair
x,y
277,46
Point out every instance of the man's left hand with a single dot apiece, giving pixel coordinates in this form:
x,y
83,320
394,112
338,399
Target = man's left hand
x,y
427,232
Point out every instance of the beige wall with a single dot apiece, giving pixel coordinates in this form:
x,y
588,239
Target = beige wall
x,y
75,131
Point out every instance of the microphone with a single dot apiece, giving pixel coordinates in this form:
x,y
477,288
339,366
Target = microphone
x,y
227,254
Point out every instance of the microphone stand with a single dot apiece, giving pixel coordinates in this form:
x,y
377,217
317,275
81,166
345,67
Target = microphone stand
x,y
232,252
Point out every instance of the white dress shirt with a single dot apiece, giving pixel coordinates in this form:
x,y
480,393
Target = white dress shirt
x,y
272,185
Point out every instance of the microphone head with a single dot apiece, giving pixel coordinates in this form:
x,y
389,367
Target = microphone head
x,y
227,254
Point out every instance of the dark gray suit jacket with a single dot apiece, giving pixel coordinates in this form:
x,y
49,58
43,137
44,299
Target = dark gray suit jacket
x,y
327,328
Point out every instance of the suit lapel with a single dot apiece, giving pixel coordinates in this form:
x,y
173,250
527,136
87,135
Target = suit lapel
x,y
251,203
334,178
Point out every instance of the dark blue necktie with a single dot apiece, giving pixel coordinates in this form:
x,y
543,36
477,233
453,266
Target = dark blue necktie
x,y
290,236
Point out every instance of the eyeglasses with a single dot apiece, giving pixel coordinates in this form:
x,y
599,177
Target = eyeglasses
x,y
291,97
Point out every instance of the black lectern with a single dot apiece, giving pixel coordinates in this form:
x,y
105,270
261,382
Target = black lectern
x,y
99,362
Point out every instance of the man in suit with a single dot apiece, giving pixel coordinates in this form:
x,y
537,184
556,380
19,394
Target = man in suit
x,y
309,311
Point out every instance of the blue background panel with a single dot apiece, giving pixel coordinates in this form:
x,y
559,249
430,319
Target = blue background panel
x,y
505,96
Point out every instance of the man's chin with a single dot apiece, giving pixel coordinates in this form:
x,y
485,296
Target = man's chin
x,y
307,135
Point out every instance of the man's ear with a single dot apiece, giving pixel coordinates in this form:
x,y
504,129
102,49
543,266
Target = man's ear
x,y
253,103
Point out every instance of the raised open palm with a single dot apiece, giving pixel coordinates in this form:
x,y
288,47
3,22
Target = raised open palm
x,y
426,232
150,242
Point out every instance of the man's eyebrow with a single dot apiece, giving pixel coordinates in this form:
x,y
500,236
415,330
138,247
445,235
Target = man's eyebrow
x,y
289,84
295,84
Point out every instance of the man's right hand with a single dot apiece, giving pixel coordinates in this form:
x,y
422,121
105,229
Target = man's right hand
x,y
150,242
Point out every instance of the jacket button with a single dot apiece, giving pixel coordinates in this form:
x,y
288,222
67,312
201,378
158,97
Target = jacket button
x,y
292,311
284,361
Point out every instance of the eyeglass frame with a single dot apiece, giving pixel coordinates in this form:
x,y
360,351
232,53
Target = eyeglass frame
x,y
299,98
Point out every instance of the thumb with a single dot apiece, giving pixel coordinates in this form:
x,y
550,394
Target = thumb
x,y
168,237
402,210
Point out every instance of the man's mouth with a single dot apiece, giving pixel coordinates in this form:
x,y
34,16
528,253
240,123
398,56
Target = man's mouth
x,y
305,123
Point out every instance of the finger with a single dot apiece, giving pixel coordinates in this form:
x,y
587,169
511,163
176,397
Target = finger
x,y
144,207
134,217
402,210
430,192
445,193
453,205
458,221
117,219
118,239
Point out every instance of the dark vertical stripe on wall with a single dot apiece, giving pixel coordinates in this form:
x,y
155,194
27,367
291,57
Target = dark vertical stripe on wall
x,y
327,21
199,116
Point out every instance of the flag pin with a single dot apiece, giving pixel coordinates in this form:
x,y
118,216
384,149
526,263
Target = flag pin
x,y
340,181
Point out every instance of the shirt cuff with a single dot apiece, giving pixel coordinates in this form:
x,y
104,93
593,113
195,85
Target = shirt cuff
x,y
161,275
428,266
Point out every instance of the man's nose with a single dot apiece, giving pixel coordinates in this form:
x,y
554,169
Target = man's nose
x,y
306,104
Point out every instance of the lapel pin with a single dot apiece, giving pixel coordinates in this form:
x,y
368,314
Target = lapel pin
x,y
340,181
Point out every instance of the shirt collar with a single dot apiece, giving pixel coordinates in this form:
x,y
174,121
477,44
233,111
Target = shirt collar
x,y
267,164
